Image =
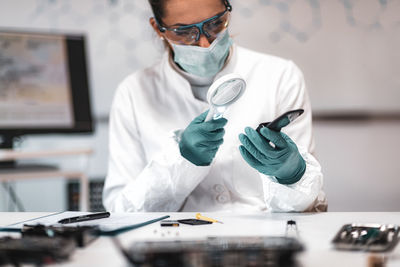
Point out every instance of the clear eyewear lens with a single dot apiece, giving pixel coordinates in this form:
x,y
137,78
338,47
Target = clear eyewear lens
x,y
183,36
217,25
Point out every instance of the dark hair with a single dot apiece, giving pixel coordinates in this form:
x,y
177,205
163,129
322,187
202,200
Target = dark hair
x,y
157,7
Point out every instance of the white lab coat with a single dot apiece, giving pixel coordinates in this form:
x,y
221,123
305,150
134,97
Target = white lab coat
x,y
146,171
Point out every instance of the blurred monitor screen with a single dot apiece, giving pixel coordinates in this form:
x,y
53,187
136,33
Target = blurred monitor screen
x,y
34,87
43,83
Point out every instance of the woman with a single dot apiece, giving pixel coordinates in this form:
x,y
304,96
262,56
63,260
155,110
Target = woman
x,y
165,157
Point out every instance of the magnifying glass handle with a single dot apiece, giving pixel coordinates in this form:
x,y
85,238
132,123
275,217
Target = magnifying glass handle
x,y
215,114
210,114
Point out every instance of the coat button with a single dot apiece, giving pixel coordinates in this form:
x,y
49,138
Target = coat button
x,y
219,188
222,198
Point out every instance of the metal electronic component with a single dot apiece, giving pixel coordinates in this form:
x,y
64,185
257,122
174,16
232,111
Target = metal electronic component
x,y
35,250
171,223
368,237
215,251
291,229
82,235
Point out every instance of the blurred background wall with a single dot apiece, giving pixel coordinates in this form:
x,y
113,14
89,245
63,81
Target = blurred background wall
x,y
347,49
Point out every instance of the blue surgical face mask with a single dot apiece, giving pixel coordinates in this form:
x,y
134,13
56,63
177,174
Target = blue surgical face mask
x,y
203,61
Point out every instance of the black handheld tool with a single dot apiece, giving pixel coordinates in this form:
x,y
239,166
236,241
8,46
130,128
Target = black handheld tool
x,y
82,218
282,121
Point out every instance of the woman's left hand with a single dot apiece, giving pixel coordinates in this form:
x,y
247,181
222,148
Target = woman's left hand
x,y
281,159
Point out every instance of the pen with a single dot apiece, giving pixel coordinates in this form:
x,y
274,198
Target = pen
x,y
204,218
82,218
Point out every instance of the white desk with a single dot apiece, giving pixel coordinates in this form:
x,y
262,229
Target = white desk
x,y
316,232
9,175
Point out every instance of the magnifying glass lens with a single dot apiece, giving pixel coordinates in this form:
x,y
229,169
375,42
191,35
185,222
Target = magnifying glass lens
x,y
227,92
223,93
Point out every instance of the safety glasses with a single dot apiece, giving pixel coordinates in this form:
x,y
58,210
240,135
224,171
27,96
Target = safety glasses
x,y
190,34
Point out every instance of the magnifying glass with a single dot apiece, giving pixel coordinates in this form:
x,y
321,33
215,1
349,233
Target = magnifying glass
x,y
224,92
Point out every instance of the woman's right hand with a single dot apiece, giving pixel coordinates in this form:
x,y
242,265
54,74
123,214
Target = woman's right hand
x,y
200,140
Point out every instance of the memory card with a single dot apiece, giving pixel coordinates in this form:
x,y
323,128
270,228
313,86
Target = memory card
x,y
194,222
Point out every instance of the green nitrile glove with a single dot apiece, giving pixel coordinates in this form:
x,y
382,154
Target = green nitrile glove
x,y
200,140
282,161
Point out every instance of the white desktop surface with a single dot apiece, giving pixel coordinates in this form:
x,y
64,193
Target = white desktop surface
x,y
316,232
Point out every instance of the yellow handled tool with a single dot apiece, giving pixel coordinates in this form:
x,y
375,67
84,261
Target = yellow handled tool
x,y
204,218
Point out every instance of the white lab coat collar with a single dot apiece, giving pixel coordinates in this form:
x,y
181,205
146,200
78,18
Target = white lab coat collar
x,y
174,78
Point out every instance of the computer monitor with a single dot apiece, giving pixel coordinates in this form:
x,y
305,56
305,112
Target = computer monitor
x,y
43,84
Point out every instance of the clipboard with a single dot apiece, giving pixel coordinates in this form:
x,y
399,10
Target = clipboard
x,y
116,224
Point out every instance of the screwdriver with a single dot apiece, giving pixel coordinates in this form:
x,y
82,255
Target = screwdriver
x,y
204,218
